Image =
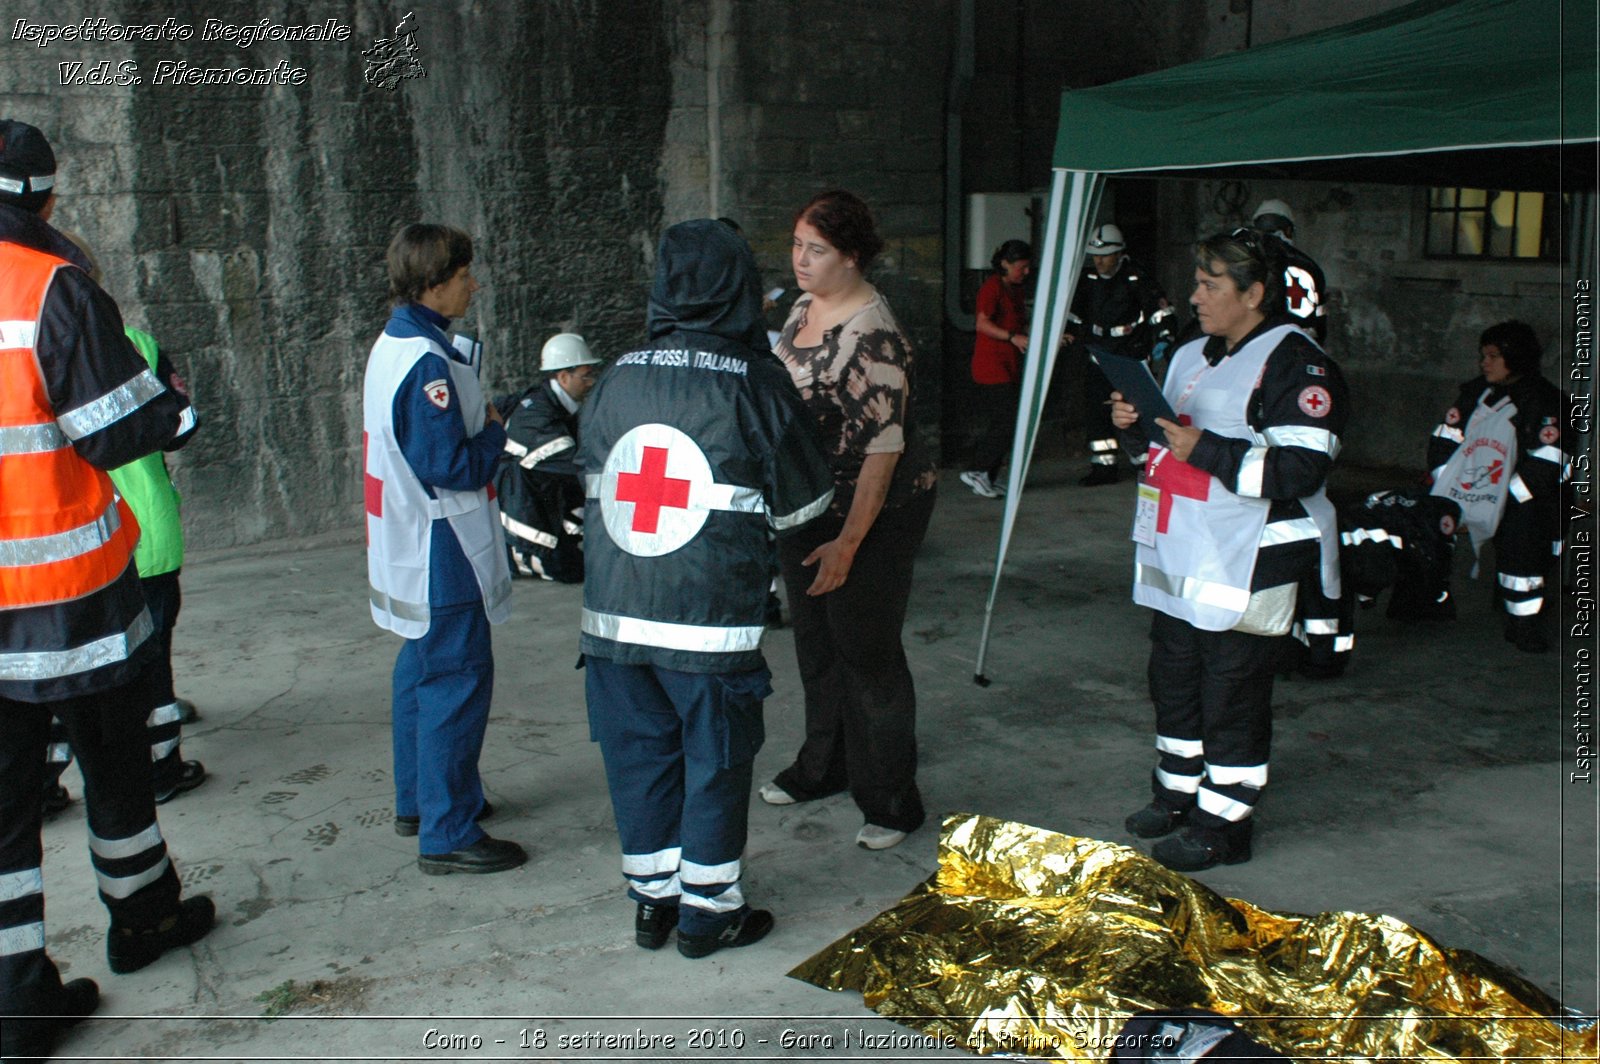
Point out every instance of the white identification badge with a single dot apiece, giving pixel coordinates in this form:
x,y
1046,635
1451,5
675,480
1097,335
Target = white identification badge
x,y
1145,512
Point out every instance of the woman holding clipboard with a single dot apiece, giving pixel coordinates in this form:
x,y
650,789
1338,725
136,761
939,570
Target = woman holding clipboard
x,y
1231,514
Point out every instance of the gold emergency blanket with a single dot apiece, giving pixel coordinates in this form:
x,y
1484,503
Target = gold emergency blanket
x,y
1033,943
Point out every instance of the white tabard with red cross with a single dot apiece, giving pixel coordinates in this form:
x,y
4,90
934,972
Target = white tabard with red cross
x,y
657,490
1198,562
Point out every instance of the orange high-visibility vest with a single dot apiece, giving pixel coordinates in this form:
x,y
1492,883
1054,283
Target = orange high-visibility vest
x,y
64,531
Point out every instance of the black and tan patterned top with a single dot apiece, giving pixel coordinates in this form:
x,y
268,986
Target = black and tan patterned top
x,y
858,386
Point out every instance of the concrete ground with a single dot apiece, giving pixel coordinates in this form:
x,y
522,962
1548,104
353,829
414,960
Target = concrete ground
x,y
1427,784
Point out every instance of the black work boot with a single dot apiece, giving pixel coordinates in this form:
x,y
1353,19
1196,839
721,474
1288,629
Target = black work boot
x,y
33,1038
750,928
1200,847
130,948
1157,819
1525,634
653,924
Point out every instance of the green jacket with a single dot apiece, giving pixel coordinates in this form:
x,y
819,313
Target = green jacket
x,y
151,496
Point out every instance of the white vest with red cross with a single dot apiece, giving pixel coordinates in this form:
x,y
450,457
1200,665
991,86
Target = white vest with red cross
x,y
1204,537
400,512
1478,474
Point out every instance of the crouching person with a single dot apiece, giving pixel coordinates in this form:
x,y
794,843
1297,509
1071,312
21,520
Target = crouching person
x,y
691,449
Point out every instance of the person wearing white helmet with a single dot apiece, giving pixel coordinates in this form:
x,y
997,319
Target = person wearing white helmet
x,y
541,495
1305,289
1119,309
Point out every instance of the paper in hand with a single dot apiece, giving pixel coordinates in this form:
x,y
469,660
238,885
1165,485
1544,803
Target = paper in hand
x,y
1132,377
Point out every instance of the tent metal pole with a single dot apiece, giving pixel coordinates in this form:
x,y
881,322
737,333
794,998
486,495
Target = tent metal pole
x,y
1074,198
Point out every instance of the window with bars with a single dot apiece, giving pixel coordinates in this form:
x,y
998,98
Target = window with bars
x,y
1477,223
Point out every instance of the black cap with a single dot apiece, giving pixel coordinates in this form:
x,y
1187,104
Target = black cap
x,y
27,165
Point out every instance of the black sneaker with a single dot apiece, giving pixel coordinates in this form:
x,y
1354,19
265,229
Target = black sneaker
x,y
1199,848
1155,820
653,924
129,949
407,826
749,929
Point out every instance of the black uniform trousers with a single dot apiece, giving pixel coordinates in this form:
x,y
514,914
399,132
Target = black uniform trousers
x,y
1213,699
163,731
1525,552
1103,437
135,877
861,706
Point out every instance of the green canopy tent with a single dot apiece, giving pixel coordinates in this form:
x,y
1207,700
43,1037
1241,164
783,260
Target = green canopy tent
x,y
1478,93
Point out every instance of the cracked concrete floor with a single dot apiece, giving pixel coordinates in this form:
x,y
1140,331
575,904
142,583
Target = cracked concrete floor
x,y
1434,800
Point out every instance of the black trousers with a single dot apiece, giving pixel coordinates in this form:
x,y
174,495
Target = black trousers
x,y
861,707
1213,698
997,420
163,730
136,880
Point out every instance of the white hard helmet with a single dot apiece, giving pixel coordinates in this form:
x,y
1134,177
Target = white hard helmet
x,y
1105,240
565,351
1273,216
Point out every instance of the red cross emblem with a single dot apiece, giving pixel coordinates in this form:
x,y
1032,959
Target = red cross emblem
x,y
650,489
656,490
1175,478
1299,293
1315,400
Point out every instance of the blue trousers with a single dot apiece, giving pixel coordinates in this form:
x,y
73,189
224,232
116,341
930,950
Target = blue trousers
x,y
442,685
678,749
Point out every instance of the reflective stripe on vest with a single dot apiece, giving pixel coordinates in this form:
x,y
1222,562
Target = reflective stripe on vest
x,y
64,533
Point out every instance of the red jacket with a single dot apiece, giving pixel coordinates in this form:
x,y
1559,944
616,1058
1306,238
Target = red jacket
x,y
999,361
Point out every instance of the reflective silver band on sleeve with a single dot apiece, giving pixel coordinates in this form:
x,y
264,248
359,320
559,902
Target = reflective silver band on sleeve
x,y
1357,536
186,420
1291,530
126,886
15,334
1548,453
1312,439
1252,471
704,638
1519,488
111,407
1449,432
527,532
809,511
31,439
539,454
50,664
62,546
14,885
133,845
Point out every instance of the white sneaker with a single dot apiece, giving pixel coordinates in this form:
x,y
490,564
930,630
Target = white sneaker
x,y
873,837
978,481
773,794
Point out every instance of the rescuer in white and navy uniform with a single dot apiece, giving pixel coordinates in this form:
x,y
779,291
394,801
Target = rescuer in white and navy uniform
x,y
1231,516
1305,288
537,485
435,560
692,448
76,639
1120,309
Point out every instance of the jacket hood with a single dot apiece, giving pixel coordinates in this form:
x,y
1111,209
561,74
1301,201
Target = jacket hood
x,y
706,282
18,226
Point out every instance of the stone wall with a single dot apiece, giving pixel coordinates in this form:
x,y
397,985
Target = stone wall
x,y
245,225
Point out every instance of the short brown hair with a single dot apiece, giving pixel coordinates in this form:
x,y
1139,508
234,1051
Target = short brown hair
x,y
845,222
422,256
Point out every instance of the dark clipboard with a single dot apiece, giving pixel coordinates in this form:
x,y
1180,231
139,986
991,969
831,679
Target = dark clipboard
x,y
1132,377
